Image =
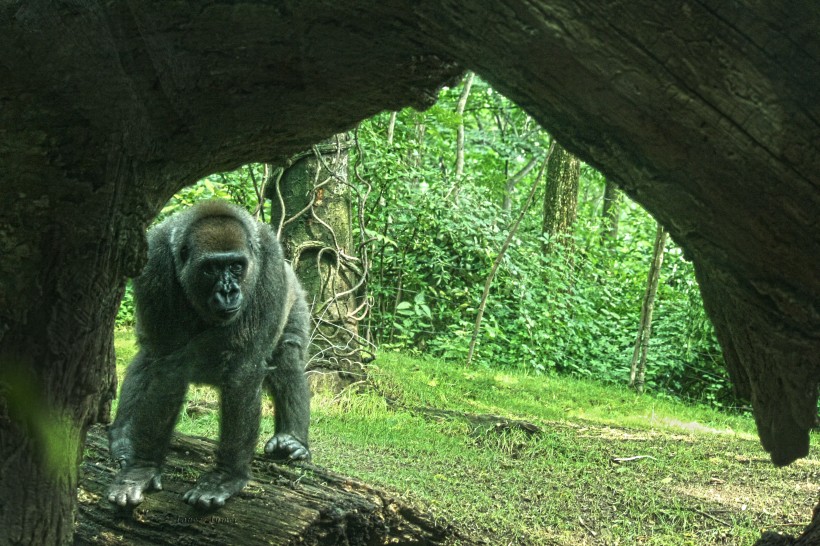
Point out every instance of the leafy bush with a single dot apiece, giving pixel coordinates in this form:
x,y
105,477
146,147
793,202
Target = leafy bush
x,y
575,310
434,236
125,315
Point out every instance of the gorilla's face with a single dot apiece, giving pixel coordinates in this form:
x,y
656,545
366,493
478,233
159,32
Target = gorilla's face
x,y
220,276
215,270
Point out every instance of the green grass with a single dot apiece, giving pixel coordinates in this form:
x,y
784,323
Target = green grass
x,y
707,482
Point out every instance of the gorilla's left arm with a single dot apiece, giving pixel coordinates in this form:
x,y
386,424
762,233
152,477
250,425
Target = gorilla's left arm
x,y
287,382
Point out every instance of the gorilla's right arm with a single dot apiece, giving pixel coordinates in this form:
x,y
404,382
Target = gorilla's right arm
x,y
149,403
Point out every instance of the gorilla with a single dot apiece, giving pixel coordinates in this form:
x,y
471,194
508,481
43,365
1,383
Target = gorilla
x,y
216,304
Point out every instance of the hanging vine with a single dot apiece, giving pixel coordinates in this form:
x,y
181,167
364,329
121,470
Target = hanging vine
x,y
313,216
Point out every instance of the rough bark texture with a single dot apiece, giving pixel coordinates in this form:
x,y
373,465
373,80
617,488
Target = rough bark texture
x,y
560,197
705,113
302,504
312,210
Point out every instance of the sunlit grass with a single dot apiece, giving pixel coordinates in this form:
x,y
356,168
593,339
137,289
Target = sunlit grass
x,y
703,478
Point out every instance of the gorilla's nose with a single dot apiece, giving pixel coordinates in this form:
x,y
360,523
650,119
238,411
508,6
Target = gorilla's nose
x,y
228,300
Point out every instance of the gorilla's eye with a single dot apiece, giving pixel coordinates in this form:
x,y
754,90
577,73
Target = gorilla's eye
x,y
237,269
210,271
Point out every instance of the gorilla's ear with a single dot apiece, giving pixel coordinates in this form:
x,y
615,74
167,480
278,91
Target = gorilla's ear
x,y
179,248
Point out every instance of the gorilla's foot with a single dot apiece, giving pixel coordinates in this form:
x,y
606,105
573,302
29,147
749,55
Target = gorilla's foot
x,y
286,446
129,484
214,488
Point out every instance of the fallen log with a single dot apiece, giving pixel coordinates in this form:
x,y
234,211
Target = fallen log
x,y
284,504
810,536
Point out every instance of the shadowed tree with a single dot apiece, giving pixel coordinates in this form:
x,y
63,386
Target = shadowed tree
x,y
704,114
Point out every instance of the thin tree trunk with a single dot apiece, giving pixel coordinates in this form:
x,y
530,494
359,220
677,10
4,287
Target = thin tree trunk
x,y
611,212
638,367
512,182
399,280
417,154
501,253
462,103
391,128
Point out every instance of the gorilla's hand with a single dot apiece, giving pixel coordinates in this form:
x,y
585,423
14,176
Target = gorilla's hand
x,y
286,446
127,488
214,488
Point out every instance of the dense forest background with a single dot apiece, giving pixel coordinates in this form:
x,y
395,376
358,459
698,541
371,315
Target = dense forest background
x,y
434,198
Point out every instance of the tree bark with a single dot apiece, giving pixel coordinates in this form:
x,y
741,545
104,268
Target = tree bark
x,y
560,198
512,182
283,504
56,352
611,212
391,127
704,113
638,366
462,104
312,211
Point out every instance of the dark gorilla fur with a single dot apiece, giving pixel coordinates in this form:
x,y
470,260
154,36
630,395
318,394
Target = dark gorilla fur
x,y
216,304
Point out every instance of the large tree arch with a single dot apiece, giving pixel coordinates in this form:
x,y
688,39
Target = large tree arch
x,y
706,114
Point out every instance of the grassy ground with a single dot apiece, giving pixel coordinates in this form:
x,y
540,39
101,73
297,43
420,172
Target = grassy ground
x,y
704,481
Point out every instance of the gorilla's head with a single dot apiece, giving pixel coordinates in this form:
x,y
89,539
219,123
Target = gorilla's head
x,y
216,262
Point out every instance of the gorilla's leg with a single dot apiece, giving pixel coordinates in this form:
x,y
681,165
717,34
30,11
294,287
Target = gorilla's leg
x,y
288,386
151,396
240,403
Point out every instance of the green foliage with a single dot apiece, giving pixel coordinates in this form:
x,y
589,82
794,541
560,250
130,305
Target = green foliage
x,y
433,239
126,314
573,311
240,186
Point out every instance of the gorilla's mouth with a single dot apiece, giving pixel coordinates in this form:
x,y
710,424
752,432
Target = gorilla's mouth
x,y
228,312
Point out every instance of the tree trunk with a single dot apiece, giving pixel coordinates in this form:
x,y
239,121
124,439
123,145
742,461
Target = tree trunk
x,y
611,212
415,156
560,198
638,367
512,181
283,504
108,108
312,212
391,127
462,104
56,368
